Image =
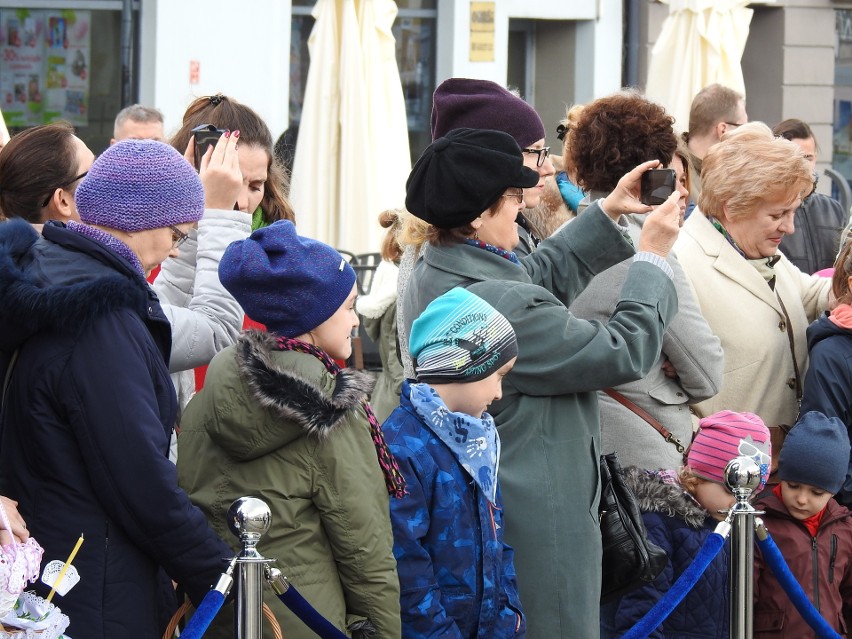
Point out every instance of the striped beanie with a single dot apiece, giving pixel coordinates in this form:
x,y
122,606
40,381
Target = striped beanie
x,y
137,185
725,435
460,338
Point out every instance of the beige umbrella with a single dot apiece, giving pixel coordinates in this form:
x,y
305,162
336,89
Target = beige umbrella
x,y
701,42
352,156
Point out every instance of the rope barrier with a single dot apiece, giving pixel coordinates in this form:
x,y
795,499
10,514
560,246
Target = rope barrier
x,y
775,561
297,604
664,607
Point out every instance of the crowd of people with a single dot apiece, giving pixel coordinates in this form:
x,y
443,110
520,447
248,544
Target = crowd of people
x,y
169,343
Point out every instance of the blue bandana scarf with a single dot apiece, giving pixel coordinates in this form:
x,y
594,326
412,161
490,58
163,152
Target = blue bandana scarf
x,y
473,441
508,255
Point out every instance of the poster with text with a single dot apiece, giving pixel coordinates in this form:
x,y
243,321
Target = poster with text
x,y
45,71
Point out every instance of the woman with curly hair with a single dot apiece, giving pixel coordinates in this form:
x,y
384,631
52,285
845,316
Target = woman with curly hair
x,y
612,133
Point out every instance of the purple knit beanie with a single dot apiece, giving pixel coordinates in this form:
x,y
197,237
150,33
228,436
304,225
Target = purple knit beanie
x,y
482,104
140,184
290,283
725,435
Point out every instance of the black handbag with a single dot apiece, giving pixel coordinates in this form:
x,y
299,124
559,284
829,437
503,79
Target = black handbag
x,y
630,560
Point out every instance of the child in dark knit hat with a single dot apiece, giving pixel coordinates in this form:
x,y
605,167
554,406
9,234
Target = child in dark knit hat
x,y
680,510
279,420
812,531
456,574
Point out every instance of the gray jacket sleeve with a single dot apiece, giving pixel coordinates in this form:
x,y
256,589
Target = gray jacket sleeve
x,y
689,344
205,318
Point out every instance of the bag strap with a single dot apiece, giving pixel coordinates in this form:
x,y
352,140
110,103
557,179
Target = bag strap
x,y
789,331
645,415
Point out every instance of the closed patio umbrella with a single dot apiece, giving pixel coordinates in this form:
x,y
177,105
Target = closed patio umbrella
x,y
352,156
701,42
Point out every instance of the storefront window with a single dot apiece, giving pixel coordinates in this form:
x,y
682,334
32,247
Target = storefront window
x,y
842,140
61,65
414,31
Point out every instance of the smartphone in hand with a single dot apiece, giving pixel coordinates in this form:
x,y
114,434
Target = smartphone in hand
x,y
656,186
206,135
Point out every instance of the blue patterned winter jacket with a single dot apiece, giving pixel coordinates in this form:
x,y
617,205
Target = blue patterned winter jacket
x,y
457,579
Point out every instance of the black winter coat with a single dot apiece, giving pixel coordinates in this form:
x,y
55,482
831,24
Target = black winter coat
x,y
85,429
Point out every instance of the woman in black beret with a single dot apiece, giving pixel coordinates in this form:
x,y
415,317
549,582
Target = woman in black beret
x,y
467,187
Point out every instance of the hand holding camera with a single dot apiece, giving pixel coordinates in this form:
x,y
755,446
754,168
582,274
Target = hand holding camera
x,y
214,153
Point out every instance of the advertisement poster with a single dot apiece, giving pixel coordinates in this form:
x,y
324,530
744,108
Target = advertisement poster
x,y
44,75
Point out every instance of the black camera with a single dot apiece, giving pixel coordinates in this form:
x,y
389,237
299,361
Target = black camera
x,y
206,135
657,185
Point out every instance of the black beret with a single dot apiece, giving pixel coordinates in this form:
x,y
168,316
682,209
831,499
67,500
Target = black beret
x,y
459,176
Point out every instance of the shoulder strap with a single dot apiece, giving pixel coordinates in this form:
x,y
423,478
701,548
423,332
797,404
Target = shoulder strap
x,y
789,331
641,412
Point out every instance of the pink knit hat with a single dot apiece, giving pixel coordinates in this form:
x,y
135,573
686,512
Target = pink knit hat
x,y
724,436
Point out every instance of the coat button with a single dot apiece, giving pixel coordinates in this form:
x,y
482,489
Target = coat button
x,y
782,326
791,382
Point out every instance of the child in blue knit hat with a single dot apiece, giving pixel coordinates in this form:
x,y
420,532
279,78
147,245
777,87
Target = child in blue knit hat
x,y
456,574
812,531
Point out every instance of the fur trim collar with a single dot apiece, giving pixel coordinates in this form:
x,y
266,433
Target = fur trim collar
x,y
656,496
294,397
71,300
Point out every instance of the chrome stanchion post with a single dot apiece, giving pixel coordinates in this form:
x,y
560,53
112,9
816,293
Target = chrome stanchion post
x,y
742,477
249,518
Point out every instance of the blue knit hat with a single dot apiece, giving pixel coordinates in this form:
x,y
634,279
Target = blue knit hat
x,y
290,283
816,452
140,184
460,338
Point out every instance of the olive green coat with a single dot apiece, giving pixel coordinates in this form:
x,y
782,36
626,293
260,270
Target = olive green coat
x,y
276,425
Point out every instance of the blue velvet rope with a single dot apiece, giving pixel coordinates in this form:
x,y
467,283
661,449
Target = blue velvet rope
x,y
308,614
210,605
794,591
669,601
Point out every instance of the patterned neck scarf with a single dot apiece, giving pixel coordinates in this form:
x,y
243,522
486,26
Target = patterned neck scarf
x,y
394,480
764,265
472,440
509,255
110,241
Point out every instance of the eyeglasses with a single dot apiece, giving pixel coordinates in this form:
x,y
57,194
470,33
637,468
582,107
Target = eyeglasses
x,y
542,154
79,177
517,194
178,236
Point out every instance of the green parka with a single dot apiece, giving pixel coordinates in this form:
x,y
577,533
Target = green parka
x,y
276,425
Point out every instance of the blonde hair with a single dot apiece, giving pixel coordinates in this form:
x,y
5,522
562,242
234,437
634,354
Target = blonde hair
x,y
392,221
689,480
751,166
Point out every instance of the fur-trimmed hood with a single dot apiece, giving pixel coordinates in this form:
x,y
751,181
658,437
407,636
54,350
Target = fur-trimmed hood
x,y
304,397
657,496
61,282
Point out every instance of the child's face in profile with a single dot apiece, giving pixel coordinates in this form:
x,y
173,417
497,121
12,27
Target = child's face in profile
x,y
714,497
334,335
803,500
474,397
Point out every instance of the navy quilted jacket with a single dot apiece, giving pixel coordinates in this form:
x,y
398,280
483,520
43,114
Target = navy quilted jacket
x,y
679,525
456,575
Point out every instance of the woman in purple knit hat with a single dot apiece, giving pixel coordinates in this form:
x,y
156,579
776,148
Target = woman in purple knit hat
x,y
89,406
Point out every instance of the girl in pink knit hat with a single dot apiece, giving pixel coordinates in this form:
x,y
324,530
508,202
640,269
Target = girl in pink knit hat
x,y
679,511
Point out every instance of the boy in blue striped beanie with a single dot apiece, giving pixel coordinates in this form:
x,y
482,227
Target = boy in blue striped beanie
x,y
448,450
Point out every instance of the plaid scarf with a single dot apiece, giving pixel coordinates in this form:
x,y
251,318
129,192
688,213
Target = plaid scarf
x,y
394,480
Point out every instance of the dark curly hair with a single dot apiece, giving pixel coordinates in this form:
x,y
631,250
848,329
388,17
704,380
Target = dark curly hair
x,y
615,134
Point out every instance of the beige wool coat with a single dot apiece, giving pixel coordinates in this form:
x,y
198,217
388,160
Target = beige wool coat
x,y
741,308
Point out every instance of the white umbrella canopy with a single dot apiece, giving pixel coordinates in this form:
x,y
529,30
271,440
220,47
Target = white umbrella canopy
x,y
701,43
352,156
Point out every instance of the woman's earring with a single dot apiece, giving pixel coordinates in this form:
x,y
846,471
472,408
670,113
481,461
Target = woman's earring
x,y
476,235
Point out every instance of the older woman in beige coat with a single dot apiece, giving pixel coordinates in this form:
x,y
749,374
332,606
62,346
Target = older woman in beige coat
x,y
752,296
